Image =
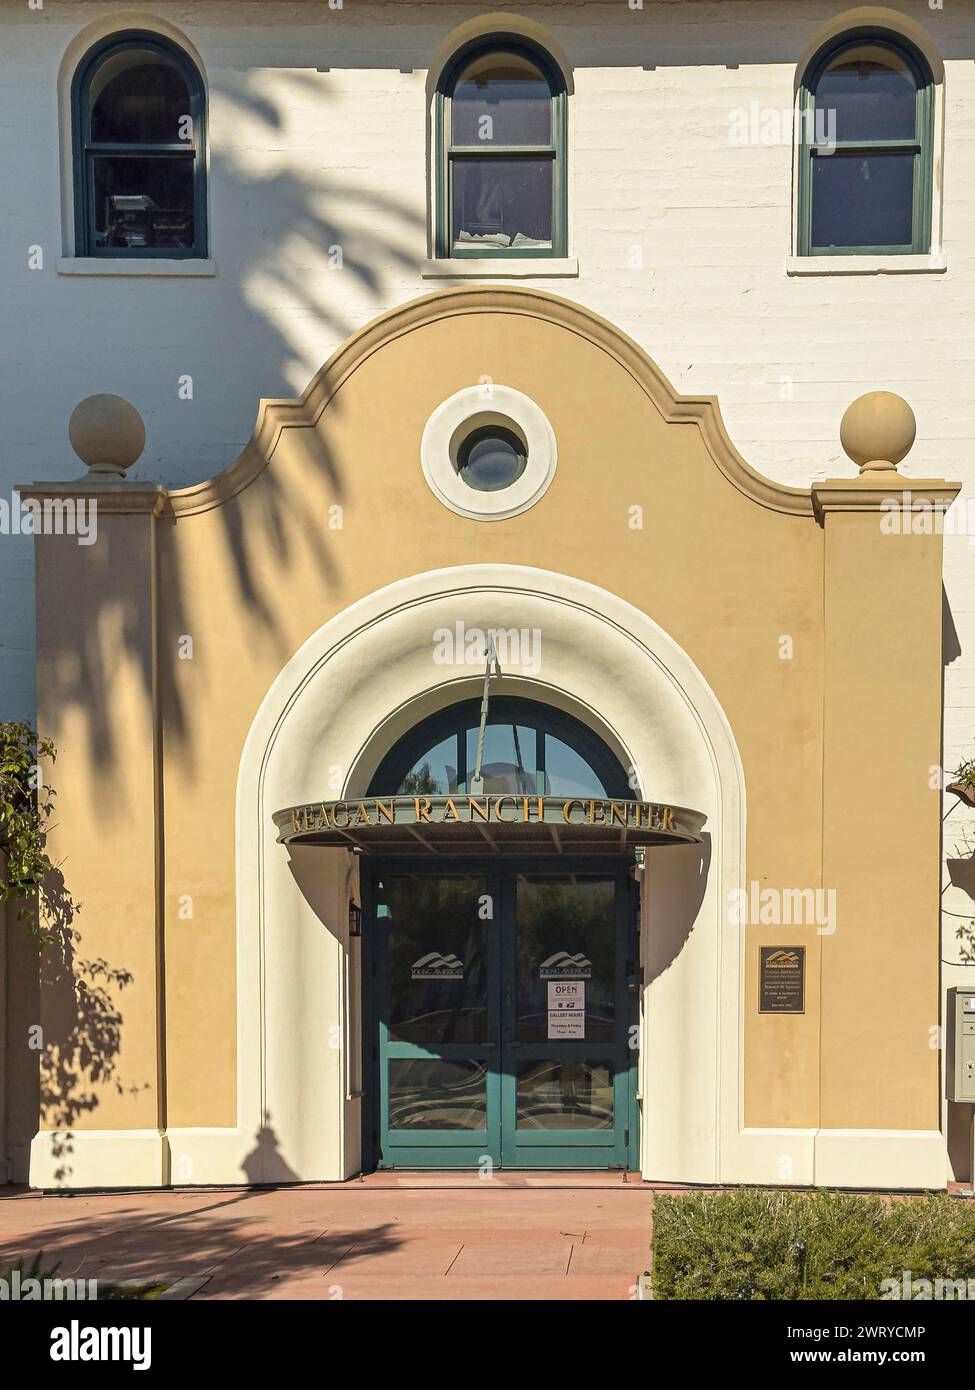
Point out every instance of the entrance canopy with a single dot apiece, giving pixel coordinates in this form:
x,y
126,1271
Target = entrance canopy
x,y
465,825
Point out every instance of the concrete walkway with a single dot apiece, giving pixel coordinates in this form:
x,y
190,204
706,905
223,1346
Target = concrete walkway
x,y
429,1236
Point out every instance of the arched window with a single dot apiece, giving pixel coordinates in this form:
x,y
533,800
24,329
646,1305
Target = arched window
x,y
529,749
866,141
139,112
501,143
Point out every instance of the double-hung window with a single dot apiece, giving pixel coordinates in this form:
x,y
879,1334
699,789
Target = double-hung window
x,y
501,141
139,110
866,149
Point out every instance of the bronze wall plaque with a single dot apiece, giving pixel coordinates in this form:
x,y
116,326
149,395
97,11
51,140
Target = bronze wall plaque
x,y
782,986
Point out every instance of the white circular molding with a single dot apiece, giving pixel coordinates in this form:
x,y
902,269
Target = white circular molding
x,y
468,410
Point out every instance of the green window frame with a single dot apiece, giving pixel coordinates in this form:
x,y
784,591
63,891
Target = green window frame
x,y
86,150
921,146
447,151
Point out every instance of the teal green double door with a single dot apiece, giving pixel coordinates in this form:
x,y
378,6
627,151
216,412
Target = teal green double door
x,y
503,1009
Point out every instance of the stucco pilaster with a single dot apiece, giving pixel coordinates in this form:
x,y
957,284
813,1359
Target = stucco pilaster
x,y
101,998
881,812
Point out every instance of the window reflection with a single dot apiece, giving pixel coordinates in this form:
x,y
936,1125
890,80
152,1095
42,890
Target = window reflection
x,y
567,773
529,750
508,761
431,1093
435,772
873,94
139,151
437,958
566,931
504,99
564,1095
866,158
503,122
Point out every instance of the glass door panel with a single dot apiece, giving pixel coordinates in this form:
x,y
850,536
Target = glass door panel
x,y
565,1087
502,998
437,988
437,960
565,932
436,1093
552,1094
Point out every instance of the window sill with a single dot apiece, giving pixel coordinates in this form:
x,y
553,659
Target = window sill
x,y
934,262
500,268
143,267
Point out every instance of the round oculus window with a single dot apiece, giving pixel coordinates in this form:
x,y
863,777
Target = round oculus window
x,y
491,458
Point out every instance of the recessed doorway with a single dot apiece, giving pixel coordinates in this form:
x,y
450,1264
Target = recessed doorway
x,y
503,1021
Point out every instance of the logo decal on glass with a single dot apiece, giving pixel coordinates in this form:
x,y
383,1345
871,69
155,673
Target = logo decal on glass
x,y
562,963
434,966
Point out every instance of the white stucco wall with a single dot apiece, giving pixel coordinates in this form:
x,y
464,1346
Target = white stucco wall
x,y
318,138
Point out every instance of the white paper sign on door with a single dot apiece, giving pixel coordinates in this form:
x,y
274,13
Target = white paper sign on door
x,y
567,1009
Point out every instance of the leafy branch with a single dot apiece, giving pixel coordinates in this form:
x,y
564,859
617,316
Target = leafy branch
x,y
26,807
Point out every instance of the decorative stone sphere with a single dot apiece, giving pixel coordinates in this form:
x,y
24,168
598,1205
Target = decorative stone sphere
x,y
107,433
877,430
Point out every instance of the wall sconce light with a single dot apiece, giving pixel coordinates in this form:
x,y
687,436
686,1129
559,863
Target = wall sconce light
x,y
355,919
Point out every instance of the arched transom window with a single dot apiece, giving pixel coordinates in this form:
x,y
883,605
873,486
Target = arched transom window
x,y
501,140
139,150
529,749
866,152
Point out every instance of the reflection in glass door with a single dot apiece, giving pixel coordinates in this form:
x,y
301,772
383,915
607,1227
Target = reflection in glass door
x,y
437,968
565,1082
503,1002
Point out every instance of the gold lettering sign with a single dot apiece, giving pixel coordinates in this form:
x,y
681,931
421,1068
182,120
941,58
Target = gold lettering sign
x,y
338,821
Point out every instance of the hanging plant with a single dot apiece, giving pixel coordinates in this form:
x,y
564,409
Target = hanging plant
x,y
964,784
26,805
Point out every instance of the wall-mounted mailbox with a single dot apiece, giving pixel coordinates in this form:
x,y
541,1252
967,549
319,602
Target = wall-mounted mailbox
x,y
960,1062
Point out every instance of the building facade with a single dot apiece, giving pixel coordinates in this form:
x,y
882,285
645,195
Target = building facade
x,y
528,745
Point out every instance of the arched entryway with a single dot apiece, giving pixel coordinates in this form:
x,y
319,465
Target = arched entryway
x,y
339,706
502,980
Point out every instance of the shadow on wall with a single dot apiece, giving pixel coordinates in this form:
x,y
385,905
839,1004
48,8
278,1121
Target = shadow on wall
x,y
282,230
289,234
266,1163
82,996
679,877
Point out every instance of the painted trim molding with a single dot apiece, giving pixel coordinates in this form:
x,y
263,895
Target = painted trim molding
x,y
97,1158
147,268
501,268
456,418
926,264
908,1159
701,412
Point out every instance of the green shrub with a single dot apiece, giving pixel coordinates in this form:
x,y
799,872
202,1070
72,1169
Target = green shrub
x,y
750,1244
